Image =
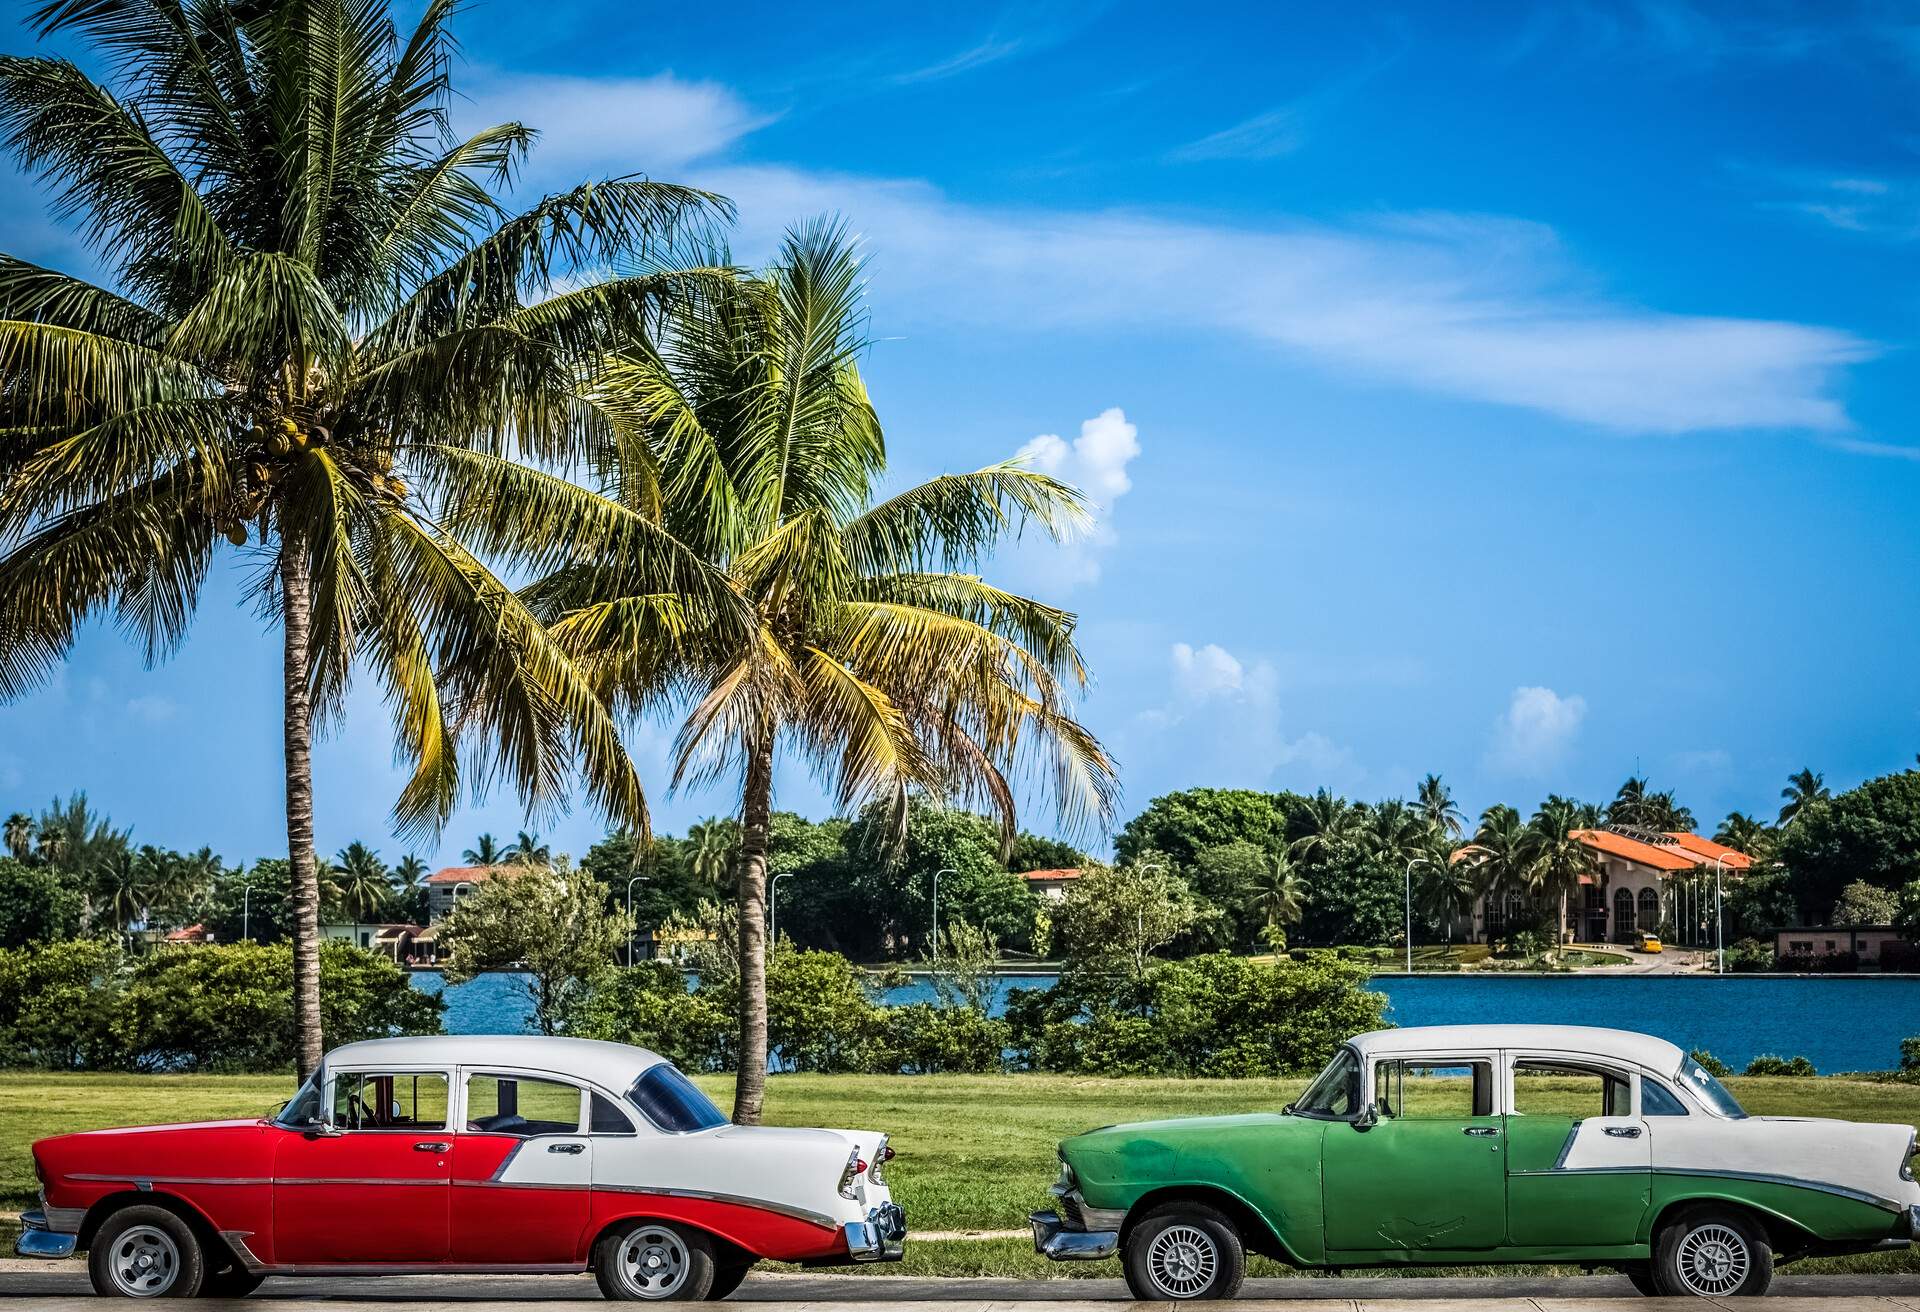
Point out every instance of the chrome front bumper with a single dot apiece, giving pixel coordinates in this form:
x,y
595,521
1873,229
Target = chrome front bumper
x,y
38,1239
1052,1239
882,1237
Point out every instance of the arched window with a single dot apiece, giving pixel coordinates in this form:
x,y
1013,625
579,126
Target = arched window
x,y
1649,910
1622,912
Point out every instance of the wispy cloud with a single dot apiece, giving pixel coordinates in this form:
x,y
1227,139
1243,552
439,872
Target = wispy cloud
x,y
1479,307
1871,207
990,51
1226,710
1270,135
1536,729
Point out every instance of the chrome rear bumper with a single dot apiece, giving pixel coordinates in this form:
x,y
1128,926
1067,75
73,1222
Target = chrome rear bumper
x,y
882,1237
1052,1239
38,1240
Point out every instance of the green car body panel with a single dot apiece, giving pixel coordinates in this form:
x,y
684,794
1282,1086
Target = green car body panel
x,y
1502,1187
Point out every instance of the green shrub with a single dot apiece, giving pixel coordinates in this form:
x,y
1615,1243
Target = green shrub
x,y
650,1006
922,1039
58,1003
1750,955
36,905
1766,1064
1910,1056
1711,1064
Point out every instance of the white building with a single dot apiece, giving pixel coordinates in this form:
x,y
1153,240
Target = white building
x,y
1631,890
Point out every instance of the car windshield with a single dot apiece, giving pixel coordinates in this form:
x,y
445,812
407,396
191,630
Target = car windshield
x,y
1336,1092
673,1102
303,1108
1696,1077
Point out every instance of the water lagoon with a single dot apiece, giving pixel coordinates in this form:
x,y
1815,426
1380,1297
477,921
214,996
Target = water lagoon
x,y
1838,1022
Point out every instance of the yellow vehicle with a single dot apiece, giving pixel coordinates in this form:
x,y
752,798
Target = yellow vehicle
x,y
1647,943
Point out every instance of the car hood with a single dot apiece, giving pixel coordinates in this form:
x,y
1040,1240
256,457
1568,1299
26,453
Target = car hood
x,y
236,1147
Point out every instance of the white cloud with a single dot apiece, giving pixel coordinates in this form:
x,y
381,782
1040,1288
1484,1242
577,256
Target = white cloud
x,y
1205,672
592,127
1536,728
152,708
1096,463
1484,308
1264,136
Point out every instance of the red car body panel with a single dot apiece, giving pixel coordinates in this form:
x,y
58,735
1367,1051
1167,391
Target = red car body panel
x,y
397,1199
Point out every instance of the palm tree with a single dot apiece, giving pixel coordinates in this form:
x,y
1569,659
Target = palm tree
x,y
841,630
1446,885
1803,790
327,342
1278,895
484,852
1743,833
361,877
1435,802
19,835
528,850
120,886
1329,820
1497,856
1396,832
50,845
1556,860
713,843
409,880
1626,805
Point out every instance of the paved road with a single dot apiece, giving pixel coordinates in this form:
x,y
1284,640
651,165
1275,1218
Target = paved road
x,y
62,1287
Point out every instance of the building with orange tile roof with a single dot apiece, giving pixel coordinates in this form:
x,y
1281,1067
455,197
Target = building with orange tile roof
x,y
1632,890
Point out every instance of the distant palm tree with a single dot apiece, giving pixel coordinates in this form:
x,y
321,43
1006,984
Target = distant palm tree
x,y
484,852
810,619
528,850
1625,808
50,845
361,877
1396,832
713,843
120,887
1556,861
1743,833
409,877
1278,895
1435,801
325,341
19,835
1586,815
1445,884
1328,820
1497,856
1803,790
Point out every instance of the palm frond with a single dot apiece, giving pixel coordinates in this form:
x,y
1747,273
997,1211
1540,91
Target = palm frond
x,y
955,520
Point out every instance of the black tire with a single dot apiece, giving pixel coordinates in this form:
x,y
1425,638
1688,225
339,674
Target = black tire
x,y
233,1281
1184,1251
655,1261
1711,1252
146,1252
726,1278
1641,1275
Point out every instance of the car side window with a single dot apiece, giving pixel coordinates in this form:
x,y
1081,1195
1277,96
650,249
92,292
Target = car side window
x,y
1433,1091
521,1105
1554,1088
608,1118
1657,1100
390,1100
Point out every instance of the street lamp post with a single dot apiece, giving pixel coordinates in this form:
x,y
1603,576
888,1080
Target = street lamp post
x,y
943,870
1416,861
1719,917
773,907
637,879
1140,920
246,894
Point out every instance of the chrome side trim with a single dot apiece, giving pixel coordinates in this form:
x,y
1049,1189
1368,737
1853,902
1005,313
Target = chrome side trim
x,y
1586,1170
148,1181
507,1161
1566,1148
519,1184
438,1183
820,1219
1757,1177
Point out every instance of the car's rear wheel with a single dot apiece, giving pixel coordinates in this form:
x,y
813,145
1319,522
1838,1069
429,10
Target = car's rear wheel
x,y
1184,1251
146,1252
1711,1252
726,1278
656,1261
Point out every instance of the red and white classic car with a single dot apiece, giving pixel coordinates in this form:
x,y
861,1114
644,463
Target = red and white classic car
x,y
466,1154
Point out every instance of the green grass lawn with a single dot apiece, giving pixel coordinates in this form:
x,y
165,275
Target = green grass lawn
x,y
976,1152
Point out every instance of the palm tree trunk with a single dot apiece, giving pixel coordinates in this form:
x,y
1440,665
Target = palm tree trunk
x,y
303,873
750,1084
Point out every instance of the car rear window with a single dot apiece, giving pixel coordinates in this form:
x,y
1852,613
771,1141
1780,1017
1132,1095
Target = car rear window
x,y
673,1102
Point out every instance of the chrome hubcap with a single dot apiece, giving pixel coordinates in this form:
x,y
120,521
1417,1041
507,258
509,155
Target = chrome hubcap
x,y
1713,1259
145,1261
653,1262
1182,1260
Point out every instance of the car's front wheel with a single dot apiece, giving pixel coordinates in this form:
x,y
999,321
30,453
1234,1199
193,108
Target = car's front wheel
x,y
655,1260
1711,1252
1184,1251
146,1252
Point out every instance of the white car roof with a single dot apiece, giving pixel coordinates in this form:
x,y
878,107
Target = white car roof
x,y
1590,1040
613,1066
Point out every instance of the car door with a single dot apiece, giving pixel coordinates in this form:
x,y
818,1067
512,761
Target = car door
x,y
1429,1172
522,1170
1579,1154
369,1187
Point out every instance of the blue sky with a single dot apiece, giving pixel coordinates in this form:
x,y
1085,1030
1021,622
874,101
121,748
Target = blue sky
x,y
1523,393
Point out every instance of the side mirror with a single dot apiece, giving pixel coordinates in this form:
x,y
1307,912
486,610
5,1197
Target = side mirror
x,y
1368,1118
317,1129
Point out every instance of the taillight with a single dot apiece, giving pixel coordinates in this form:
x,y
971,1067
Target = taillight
x,y
851,1173
877,1170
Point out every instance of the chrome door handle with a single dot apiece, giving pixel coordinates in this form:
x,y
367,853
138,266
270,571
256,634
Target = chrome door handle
x,y
575,1148
1480,1131
1624,1131
432,1146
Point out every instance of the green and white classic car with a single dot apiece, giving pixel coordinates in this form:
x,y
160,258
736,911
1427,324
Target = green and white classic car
x,y
1457,1145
